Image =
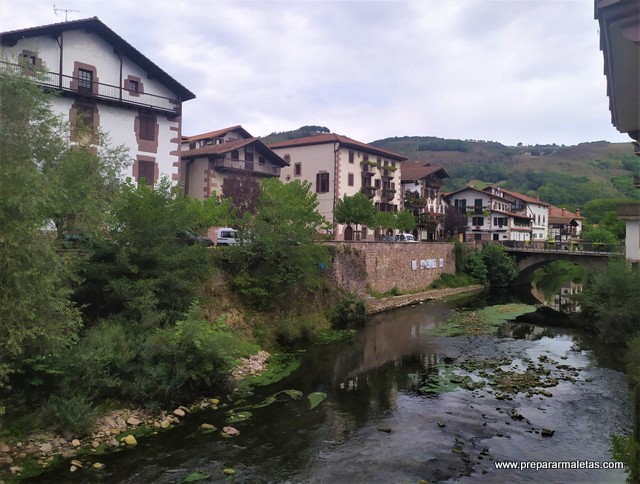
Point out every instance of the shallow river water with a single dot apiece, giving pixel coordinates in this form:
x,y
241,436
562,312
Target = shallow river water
x,y
387,420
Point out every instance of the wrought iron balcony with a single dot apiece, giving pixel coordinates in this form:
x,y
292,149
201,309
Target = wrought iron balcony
x,y
97,90
369,191
242,165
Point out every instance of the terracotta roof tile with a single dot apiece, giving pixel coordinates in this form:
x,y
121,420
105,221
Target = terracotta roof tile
x,y
336,138
418,170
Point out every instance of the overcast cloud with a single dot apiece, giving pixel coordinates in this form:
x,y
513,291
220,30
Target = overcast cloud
x,y
512,71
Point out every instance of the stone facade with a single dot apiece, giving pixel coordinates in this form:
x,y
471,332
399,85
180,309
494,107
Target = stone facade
x,y
406,266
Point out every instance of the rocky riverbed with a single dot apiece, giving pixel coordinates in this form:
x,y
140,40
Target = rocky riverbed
x,y
114,432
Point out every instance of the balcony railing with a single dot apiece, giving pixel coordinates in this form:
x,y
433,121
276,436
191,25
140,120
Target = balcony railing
x,y
369,191
97,90
388,193
242,165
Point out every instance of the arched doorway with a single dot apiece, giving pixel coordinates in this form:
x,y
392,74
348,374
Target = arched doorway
x,y
348,233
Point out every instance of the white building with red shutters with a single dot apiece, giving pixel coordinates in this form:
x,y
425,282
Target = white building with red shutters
x,y
108,83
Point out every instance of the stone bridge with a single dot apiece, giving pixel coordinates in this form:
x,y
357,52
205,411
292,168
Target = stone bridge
x,y
530,259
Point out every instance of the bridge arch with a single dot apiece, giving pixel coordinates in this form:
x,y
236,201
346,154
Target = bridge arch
x,y
529,261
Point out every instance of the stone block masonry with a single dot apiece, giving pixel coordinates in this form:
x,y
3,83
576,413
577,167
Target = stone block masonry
x,y
385,265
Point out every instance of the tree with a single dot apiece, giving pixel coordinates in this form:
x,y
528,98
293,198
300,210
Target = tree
x,y
599,236
355,210
384,221
37,317
406,221
283,255
612,298
242,190
613,224
501,267
454,221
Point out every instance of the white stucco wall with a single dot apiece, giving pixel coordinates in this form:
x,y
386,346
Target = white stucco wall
x,y
313,159
116,120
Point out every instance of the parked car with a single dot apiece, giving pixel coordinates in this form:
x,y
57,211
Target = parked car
x,y
388,238
404,237
227,236
187,237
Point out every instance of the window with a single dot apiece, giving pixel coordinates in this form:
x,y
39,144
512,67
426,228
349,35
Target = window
x,y
134,86
478,221
297,169
261,160
351,157
84,116
322,182
148,127
477,205
350,179
29,60
85,80
377,183
248,153
234,154
287,158
146,170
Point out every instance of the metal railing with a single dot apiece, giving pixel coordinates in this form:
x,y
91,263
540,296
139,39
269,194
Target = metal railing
x,y
233,164
96,90
562,246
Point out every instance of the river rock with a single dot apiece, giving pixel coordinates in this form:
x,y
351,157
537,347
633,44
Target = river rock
x,y
228,471
133,421
4,448
441,424
230,431
73,468
98,465
207,426
15,469
165,424
76,462
547,432
75,443
6,459
130,440
69,453
178,412
45,448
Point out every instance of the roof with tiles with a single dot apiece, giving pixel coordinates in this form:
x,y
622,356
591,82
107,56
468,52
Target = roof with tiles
x,y
520,196
218,133
562,215
418,170
223,148
336,138
95,25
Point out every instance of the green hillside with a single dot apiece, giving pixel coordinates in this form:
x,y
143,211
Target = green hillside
x,y
568,176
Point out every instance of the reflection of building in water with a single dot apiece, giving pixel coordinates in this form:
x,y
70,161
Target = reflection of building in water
x,y
564,300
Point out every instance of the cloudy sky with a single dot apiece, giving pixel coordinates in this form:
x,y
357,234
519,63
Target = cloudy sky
x,y
512,71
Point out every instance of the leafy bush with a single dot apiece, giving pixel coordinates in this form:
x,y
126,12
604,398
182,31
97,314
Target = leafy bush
x,y
73,414
350,310
453,280
612,299
475,267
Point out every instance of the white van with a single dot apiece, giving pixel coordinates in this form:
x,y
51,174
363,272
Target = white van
x,y
405,238
227,236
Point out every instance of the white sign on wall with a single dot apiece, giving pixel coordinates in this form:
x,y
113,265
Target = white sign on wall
x,y
414,265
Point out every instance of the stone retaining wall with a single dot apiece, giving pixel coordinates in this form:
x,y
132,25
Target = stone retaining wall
x,y
385,265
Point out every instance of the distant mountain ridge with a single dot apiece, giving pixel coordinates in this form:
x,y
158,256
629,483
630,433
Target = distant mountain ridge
x,y
566,176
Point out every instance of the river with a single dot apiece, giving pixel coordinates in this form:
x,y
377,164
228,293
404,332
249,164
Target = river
x,y
393,415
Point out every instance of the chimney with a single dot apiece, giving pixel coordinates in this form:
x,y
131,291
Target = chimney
x,y
578,212
563,211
